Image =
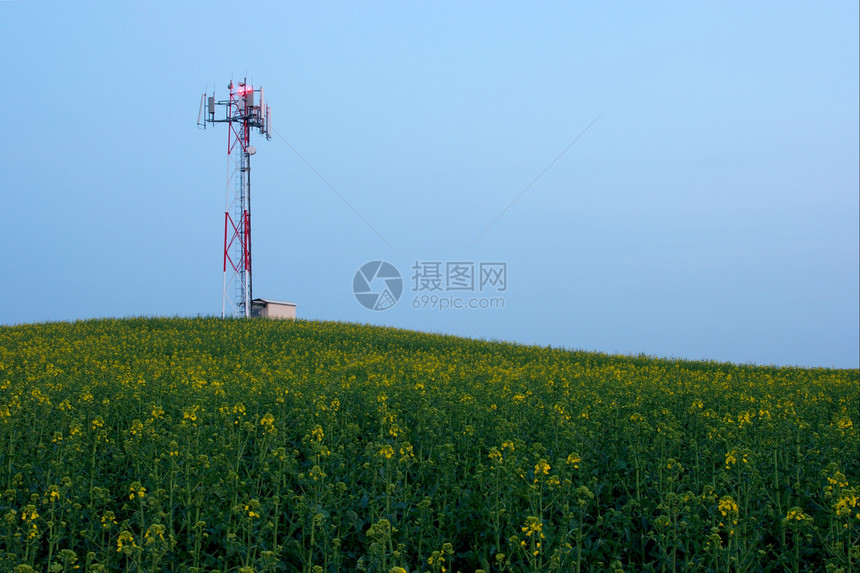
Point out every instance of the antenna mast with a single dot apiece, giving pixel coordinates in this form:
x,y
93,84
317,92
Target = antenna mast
x,y
244,111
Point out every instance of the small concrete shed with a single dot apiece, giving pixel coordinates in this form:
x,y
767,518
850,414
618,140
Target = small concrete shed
x,y
267,308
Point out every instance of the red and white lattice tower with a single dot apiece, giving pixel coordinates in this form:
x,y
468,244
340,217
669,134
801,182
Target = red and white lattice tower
x,y
244,111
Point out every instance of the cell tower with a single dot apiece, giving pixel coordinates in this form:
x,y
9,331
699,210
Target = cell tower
x,y
244,111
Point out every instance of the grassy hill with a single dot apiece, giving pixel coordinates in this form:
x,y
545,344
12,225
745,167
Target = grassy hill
x,y
252,445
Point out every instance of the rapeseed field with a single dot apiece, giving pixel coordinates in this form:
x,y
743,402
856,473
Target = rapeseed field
x,y
245,446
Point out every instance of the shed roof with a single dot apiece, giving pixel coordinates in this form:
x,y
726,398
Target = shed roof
x,y
270,301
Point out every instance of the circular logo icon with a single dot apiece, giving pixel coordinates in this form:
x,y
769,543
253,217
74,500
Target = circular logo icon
x,y
377,285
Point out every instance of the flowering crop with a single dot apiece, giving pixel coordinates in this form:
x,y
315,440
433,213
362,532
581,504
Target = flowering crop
x,y
263,446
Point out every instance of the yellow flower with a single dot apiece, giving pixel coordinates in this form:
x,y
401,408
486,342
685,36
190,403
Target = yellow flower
x,y
574,459
406,452
108,519
239,412
29,513
253,507
837,479
136,490
190,413
542,467
533,525
844,504
268,423
316,473
728,508
125,539
136,427
155,532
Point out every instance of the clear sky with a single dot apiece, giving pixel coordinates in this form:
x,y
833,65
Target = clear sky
x,y
707,210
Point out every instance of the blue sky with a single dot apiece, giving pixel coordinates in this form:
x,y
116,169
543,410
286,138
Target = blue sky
x,y
710,211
